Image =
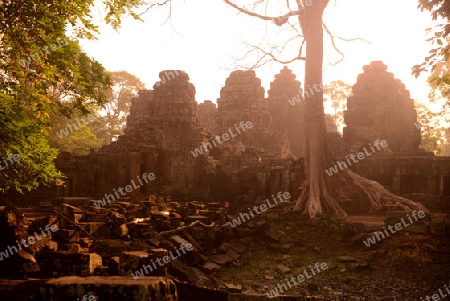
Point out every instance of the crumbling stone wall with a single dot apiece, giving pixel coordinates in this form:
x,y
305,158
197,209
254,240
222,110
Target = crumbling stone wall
x,y
242,99
163,129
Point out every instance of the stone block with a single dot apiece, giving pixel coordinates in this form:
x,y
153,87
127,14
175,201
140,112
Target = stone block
x,y
64,236
119,230
113,265
175,268
71,248
221,259
238,247
191,257
110,288
210,267
96,228
109,247
194,275
192,218
69,264
132,261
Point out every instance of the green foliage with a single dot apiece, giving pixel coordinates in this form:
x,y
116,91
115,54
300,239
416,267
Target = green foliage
x,y
437,62
78,141
44,72
432,130
22,135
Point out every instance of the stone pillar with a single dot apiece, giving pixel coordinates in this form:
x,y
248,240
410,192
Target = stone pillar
x,y
135,171
397,182
261,185
441,185
150,166
433,184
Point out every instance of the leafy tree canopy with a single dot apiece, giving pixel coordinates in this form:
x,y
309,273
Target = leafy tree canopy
x,y
44,72
337,92
125,86
438,60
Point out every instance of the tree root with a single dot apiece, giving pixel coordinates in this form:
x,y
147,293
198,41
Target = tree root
x,y
181,229
348,185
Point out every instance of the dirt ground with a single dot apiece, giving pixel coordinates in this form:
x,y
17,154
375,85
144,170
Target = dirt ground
x,y
401,267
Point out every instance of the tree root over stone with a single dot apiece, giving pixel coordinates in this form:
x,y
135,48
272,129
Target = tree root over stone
x,y
338,189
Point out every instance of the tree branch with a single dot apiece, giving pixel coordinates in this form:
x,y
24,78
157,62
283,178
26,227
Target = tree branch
x,y
334,44
153,5
280,20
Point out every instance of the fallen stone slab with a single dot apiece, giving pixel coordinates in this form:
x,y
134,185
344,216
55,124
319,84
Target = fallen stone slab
x,y
110,288
201,218
194,275
190,292
210,267
191,257
221,259
175,268
271,234
283,268
346,258
147,263
259,297
233,288
238,247
233,254
96,228
20,290
197,277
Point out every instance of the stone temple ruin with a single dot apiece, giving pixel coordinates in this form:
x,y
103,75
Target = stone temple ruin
x,y
166,125
381,108
164,129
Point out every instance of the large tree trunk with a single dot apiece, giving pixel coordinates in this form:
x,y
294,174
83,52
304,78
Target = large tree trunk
x,y
320,192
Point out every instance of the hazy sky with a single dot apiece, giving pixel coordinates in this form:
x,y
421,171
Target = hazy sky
x,y
206,35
